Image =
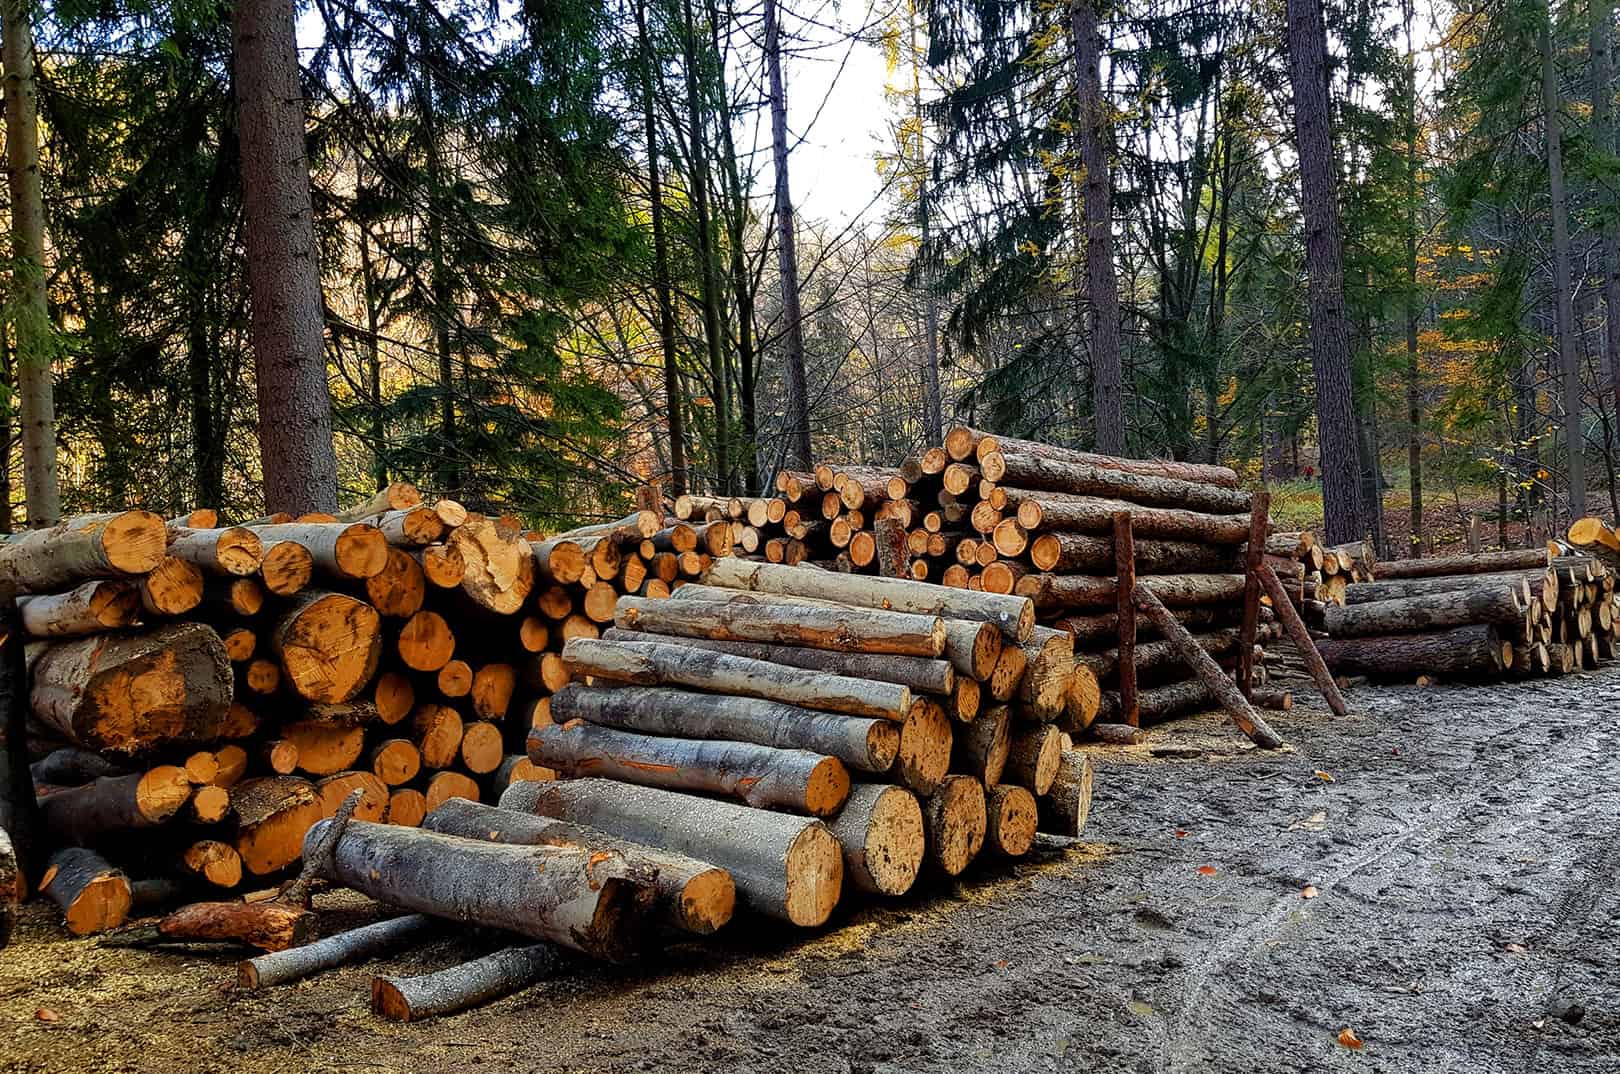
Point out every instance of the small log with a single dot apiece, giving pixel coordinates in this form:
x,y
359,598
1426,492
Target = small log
x,y
1116,734
406,807
1085,695
437,734
984,444
353,945
690,895
868,745
1064,807
214,861
482,749
454,679
587,899
132,693
1209,672
1073,553
329,645
395,496
1010,819
112,805
398,590
446,991
1052,591
334,790
273,813
92,895
763,777
1032,757
286,567
95,607
234,550
981,748
785,866
117,545
881,832
841,629
955,819
1510,559
442,565
354,551
426,642
651,664
925,747
446,786
325,748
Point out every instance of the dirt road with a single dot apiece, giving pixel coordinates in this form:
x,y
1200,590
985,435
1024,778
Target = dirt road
x,y
1462,844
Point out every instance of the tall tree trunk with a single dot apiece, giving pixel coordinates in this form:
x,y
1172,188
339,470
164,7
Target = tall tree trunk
x,y
1345,512
1414,373
1102,287
8,367
208,427
698,189
295,406
440,283
1603,136
787,257
666,306
31,324
933,397
1568,360
368,280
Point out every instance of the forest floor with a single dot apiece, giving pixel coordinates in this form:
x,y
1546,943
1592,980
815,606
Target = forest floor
x,y
1461,843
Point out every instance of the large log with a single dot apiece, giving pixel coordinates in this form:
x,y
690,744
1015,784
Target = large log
x,y
921,674
762,776
498,565
868,745
132,693
881,832
1465,652
651,664
955,820
329,645
1493,605
1531,583
353,551
92,895
1082,554
173,587
296,963
1035,472
785,866
984,444
842,629
398,590
113,805
1511,559
286,567
1058,512
1032,759
95,607
1050,591
117,545
446,991
273,813
1596,539
690,895
1063,809
588,899
1015,617
234,550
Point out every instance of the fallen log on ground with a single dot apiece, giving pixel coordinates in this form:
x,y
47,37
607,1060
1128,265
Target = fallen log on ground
x,y
446,991
296,963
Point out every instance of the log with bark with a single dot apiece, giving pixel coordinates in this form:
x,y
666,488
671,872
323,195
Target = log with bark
x,y
1066,804
881,832
121,544
984,444
234,550
764,777
1462,652
1054,591
1084,554
329,645
1511,559
1493,605
353,551
95,607
1037,472
1010,820
446,991
353,945
690,895
785,866
840,629
921,674
92,895
111,806
1059,513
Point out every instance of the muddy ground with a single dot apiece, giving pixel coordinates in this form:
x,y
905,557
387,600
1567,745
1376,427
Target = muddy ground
x,y
1462,842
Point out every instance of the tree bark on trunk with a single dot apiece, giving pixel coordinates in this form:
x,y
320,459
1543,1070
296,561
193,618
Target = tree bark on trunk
x,y
296,963
787,257
933,394
31,323
1414,372
1563,290
1102,287
297,455
1345,514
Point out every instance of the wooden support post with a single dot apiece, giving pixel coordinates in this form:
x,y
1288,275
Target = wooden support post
x,y
1125,587
1208,671
1259,523
1302,640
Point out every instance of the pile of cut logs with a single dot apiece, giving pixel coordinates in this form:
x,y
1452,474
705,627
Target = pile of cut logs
x,y
1518,612
216,690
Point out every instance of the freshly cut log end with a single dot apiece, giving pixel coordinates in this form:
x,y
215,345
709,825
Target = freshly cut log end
x,y
273,814
447,785
114,804
406,807
133,693
1033,758
981,747
411,999
94,607
1010,819
286,568
1065,806
92,895
426,642
1083,699
210,805
398,590
438,730
925,746
955,819
128,543
334,790
498,566
881,832
329,645
789,867
216,862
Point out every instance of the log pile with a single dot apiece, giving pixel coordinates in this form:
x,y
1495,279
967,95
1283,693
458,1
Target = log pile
x,y
1486,615
202,694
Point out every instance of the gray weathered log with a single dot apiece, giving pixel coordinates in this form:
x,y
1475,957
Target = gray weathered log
x,y
446,991
351,945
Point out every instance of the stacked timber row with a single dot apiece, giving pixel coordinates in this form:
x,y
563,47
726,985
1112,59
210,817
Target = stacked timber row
x,y
1486,615
201,694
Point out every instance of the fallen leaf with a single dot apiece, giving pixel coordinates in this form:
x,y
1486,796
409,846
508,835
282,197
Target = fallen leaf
x,y
1515,948
1538,1023
1180,834
1325,777
45,1014
1310,892
1206,870
1348,1038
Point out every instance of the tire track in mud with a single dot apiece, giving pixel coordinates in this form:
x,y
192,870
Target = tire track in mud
x,y
1427,822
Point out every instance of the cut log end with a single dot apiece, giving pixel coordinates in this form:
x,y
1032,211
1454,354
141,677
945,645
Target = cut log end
x,y
956,820
815,876
1010,820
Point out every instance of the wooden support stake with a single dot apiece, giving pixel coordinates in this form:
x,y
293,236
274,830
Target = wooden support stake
x,y
1125,587
1302,640
1259,523
1208,671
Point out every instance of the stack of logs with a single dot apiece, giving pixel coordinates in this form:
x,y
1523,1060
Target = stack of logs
x,y
216,690
1485,615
